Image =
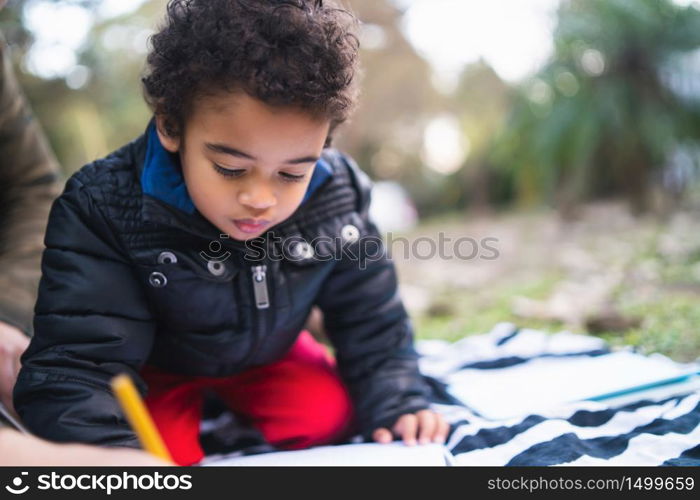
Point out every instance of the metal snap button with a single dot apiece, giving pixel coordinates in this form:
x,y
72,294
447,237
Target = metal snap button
x,y
350,233
216,267
167,258
157,280
302,250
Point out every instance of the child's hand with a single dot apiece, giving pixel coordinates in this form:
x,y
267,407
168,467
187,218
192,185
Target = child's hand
x,y
423,427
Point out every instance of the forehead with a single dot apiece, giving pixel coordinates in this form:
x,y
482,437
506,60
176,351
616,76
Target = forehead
x,y
240,117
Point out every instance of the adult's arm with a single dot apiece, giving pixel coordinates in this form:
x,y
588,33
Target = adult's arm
x,y
29,182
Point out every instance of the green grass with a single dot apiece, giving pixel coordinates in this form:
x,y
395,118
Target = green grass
x,y
670,321
670,326
661,289
458,313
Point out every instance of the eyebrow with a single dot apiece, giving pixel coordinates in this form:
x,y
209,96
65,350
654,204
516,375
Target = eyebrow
x,y
228,150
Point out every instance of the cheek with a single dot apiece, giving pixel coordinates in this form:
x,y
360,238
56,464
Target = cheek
x,y
293,196
206,188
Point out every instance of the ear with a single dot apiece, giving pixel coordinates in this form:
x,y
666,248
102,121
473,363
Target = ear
x,y
170,143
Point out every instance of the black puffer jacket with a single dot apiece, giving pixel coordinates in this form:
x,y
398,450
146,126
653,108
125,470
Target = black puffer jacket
x,y
129,279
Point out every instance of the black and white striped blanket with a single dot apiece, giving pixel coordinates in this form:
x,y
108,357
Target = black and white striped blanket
x,y
655,427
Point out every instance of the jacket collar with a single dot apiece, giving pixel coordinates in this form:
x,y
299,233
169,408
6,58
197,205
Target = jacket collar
x,y
161,176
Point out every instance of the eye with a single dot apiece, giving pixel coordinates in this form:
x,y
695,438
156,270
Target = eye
x,y
291,177
228,172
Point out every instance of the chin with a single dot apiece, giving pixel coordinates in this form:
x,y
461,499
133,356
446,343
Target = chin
x,y
244,236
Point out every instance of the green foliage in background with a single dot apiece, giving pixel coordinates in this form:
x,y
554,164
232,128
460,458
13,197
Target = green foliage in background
x,y
606,115
108,111
609,115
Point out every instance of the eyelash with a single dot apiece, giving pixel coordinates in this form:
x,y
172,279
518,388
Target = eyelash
x,y
227,172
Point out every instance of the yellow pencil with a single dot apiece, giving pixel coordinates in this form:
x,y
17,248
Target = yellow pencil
x,y
139,418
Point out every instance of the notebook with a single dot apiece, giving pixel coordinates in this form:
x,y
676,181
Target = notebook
x,y
363,454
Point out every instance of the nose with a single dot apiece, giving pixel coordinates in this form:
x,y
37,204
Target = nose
x,y
257,196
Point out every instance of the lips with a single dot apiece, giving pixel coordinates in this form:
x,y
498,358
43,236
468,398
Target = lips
x,y
251,226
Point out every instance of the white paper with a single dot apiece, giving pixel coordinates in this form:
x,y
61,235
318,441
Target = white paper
x,y
364,454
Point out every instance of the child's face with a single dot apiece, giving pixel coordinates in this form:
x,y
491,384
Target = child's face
x,y
247,165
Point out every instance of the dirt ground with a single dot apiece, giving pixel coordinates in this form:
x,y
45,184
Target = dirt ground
x,y
633,281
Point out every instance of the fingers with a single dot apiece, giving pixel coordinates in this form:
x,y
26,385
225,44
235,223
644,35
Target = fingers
x,y
383,436
427,425
443,429
406,428
423,427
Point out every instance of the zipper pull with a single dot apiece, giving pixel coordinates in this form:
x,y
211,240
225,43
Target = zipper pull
x,y
260,287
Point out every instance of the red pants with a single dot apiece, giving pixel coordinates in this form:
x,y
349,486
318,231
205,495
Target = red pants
x,y
296,402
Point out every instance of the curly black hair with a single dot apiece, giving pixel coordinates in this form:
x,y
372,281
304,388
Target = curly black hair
x,y
288,53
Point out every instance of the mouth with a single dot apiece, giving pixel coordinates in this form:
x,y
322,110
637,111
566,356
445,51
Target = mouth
x,y
251,226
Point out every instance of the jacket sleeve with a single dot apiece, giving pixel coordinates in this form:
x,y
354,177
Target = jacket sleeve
x,y
92,322
28,185
370,329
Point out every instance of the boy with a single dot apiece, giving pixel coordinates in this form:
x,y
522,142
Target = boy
x,y
191,257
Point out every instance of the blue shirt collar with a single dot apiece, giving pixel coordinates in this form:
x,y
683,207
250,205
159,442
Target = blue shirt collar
x,y
162,176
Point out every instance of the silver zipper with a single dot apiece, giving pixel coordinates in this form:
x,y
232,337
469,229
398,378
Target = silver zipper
x,y
262,300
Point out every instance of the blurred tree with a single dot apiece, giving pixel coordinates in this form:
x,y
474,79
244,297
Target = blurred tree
x,y
607,113
105,108
397,101
482,101
102,109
